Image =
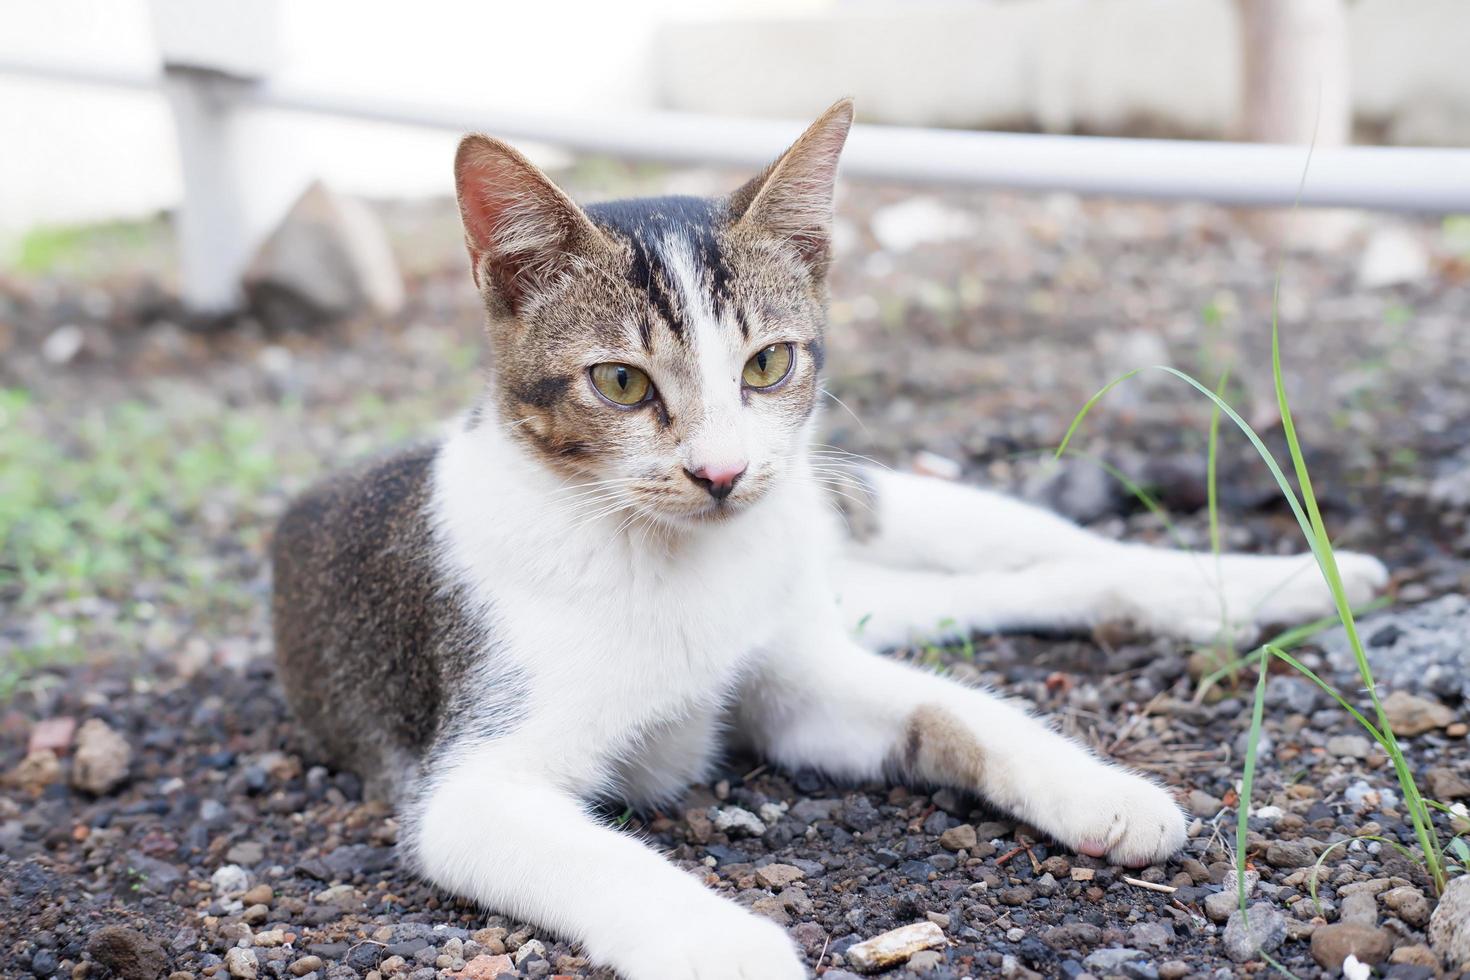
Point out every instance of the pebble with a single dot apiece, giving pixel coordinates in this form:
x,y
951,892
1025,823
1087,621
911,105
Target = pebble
x,y
1361,908
960,838
306,964
1449,926
778,876
1290,854
894,947
1262,930
127,953
1409,714
1446,784
1219,906
1331,944
925,961
1350,746
1409,904
1203,805
1173,970
230,879
486,967
1157,935
101,759
242,963
738,821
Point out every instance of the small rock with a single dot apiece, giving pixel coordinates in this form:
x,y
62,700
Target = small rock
x,y
242,963
1203,805
1392,257
1112,962
1289,854
1262,930
54,734
529,948
101,759
1219,906
1361,908
925,961
35,772
1331,944
1350,746
1449,927
1173,970
246,852
778,876
1446,784
737,821
328,258
127,953
894,947
230,879
961,838
259,895
306,964
1409,714
1409,904
1158,935
1415,955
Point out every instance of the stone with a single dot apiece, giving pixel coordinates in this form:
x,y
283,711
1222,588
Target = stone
x,y
230,879
1156,935
925,961
1219,906
129,954
894,947
1409,904
486,967
1446,784
960,838
1260,931
919,220
1109,962
1394,256
329,258
1410,714
1350,746
35,772
1449,926
738,822
53,734
778,876
1334,943
246,852
101,759
1203,805
1173,970
1415,955
259,895
242,963
1361,908
1290,854
306,964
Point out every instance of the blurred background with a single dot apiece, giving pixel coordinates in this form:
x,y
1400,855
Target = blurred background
x,y
230,262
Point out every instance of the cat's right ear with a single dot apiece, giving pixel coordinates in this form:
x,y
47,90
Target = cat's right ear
x,y
521,230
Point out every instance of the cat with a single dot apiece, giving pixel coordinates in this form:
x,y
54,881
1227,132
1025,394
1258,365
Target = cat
x,y
625,557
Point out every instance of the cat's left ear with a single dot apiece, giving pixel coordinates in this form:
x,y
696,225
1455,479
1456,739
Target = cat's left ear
x,y
792,199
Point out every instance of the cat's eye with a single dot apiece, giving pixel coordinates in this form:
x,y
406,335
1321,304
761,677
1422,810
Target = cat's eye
x,y
768,367
621,384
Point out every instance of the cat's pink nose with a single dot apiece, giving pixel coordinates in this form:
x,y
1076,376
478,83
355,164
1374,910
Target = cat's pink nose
x,y
719,479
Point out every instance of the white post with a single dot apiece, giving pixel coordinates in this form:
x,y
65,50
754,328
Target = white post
x,y
209,53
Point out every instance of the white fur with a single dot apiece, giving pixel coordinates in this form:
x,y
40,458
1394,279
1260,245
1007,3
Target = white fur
x,y
637,639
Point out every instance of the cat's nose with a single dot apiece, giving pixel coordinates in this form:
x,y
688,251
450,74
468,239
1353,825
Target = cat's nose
x,y
718,479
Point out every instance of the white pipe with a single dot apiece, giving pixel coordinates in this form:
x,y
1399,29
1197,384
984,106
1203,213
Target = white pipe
x,y
1384,178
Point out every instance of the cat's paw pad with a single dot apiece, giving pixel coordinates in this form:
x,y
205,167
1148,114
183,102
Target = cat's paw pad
x,y
1130,821
724,944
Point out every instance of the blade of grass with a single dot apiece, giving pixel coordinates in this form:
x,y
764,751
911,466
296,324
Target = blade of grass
x,y
1247,780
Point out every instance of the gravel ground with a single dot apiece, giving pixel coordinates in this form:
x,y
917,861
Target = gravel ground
x,y
155,814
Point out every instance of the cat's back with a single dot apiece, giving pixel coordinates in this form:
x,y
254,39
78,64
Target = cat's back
x,y
365,630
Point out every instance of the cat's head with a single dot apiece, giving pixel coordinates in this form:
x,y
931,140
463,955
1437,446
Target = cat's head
x,y
664,350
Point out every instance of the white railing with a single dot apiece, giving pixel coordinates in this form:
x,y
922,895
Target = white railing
x,y
213,239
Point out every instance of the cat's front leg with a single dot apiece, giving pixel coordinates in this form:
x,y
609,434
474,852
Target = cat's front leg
x,y
832,705
521,846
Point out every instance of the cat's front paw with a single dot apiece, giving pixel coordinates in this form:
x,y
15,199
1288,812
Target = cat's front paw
x,y
1122,817
720,943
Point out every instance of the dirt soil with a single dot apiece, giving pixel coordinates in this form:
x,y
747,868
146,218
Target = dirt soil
x,y
970,326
